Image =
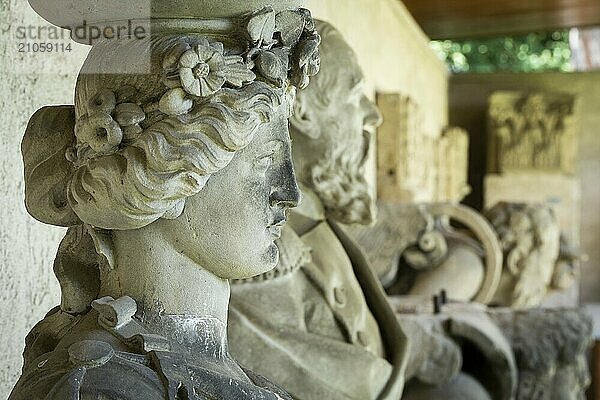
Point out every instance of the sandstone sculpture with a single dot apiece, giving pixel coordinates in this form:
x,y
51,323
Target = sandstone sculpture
x,y
531,131
171,182
333,334
530,239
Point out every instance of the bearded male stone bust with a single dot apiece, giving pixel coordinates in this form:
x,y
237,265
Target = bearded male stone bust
x,y
171,182
332,335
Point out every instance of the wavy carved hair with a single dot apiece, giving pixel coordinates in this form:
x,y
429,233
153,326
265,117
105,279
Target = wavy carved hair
x,y
174,156
149,176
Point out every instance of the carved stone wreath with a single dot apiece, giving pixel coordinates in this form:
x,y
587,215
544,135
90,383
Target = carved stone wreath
x,y
109,120
280,45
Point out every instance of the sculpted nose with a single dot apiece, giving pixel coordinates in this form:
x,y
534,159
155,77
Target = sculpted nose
x,y
285,192
372,117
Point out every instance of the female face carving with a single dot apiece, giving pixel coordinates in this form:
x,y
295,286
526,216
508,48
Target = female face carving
x,y
230,226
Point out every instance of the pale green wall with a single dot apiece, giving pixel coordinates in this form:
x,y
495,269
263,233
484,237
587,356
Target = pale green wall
x,y
393,52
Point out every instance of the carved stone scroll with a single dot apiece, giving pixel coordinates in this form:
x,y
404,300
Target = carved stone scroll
x,y
413,233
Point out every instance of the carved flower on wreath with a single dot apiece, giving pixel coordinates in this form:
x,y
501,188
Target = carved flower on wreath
x,y
107,122
199,71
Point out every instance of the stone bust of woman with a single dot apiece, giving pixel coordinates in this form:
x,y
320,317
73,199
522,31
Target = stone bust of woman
x,y
171,182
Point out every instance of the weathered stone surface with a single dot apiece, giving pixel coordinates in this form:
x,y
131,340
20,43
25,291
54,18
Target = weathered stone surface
x,y
333,334
550,347
463,387
500,264
465,333
437,358
414,165
506,353
453,165
564,194
561,192
75,12
406,168
397,226
166,198
415,251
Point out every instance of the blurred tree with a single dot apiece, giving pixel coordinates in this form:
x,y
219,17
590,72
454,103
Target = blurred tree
x,y
526,53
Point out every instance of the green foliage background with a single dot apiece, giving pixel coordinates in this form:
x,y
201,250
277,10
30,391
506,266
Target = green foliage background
x,y
525,53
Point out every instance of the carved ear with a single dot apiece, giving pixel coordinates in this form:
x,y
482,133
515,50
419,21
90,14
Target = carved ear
x,y
103,243
49,134
303,118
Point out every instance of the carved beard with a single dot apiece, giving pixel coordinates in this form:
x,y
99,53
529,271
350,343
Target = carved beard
x,y
339,182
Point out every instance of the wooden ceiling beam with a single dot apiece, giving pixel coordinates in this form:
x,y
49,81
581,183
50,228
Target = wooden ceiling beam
x,y
456,19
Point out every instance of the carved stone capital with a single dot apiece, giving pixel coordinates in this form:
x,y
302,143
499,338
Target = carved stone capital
x,y
532,131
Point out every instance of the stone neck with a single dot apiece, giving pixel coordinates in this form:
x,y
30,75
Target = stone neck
x,y
190,333
309,213
176,297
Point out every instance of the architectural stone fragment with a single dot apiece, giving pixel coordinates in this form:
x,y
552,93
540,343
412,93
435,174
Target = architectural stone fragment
x,y
415,251
406,154
452,165
537,258
531,131
486,367
562,193
414,165
515,259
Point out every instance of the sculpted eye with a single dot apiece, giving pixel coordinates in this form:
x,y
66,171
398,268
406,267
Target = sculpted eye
x,y
266,158
265,161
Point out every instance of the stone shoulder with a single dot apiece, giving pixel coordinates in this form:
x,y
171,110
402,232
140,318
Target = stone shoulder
x,y
89,369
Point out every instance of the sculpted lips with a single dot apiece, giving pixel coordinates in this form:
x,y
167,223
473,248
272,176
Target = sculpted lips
x,y
278,223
